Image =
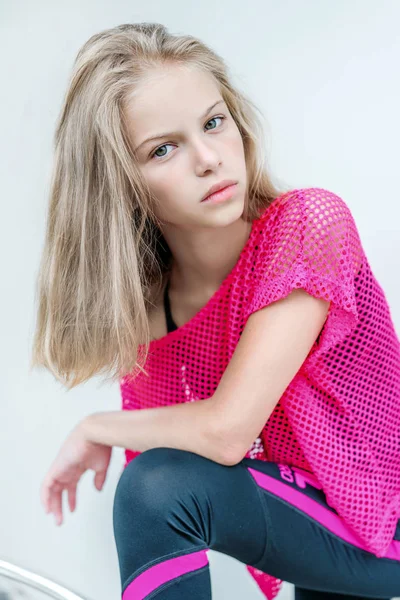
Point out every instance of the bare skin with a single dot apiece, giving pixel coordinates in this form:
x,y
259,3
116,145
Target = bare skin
x,y
205,239
182,310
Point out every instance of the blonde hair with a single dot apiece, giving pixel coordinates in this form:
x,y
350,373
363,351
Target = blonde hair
x,y
104,256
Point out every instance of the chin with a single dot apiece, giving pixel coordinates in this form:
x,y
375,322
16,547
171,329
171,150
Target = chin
x,y
228,214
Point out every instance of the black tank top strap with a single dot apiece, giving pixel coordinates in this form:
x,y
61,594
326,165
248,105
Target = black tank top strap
x,y
171,325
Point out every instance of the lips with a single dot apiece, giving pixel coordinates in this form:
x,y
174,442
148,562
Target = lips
x,y
218,186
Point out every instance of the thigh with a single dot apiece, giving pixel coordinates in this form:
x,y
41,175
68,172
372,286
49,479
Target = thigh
x,y
170,504
309,545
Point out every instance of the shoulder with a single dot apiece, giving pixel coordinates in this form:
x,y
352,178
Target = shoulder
x,y
304,228
311,211
310,201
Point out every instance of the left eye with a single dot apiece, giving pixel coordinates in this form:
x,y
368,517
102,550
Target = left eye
x,y
153,154
213,119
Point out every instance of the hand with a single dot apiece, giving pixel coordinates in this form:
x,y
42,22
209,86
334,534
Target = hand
x,y
76,455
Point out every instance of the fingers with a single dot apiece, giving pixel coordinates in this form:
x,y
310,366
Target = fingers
x,y
99,479
56,502
51,497
45,497
72,497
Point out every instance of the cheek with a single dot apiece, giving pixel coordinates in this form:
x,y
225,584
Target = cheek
x,y
159,180
235,143
166,186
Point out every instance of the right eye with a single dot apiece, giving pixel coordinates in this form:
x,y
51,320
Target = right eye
x,y
153,154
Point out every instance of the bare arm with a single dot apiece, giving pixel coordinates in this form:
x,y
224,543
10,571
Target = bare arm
x,y
189,426
274,344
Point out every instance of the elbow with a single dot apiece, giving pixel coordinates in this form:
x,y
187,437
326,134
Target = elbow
x,y
223,442
229,455
222,454
233,458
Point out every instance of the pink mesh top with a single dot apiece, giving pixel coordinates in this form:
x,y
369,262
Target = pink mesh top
x,y
339,417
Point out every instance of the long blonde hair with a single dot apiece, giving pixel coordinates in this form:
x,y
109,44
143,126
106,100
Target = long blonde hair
x,y
104,256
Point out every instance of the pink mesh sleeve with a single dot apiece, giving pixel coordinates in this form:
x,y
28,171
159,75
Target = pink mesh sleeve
x,y
313,244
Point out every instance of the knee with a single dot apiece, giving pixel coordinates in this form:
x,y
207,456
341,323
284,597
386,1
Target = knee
x,y
152,478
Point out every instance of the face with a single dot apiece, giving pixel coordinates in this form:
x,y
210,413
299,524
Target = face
x,y
204,148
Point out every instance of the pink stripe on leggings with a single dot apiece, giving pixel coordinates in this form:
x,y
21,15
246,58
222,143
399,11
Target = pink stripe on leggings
x,y
316,511
156,575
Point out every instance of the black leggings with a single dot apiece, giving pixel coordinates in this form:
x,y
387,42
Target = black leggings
x,y
171,506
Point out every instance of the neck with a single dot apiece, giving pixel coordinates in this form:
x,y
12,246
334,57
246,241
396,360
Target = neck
x,y
201,263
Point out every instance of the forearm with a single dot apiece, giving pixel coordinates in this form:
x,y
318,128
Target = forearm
x,y
188,426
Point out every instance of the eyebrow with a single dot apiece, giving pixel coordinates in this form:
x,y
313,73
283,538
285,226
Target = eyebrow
x,y
170,133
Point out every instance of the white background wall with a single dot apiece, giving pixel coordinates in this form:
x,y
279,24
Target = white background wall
x,y
326,76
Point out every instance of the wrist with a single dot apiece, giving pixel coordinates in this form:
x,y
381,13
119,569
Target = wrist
x,y
84,428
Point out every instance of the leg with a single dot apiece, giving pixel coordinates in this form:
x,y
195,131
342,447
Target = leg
x,y
171,506
311,547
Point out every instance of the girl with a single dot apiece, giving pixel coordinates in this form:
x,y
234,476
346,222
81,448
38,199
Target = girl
x,y
257,359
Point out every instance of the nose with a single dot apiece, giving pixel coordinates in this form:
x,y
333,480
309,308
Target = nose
x,y
206,157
